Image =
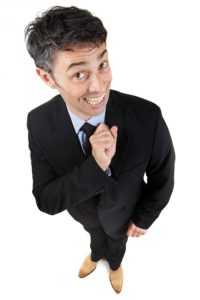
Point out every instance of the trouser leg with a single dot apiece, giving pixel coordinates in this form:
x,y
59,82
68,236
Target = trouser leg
x,y
101,244
86,214
98,241
98,244
115,251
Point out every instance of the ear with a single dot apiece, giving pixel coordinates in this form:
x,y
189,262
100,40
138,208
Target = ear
x,y
46,77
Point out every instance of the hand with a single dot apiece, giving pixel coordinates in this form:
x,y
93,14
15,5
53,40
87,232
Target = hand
x,y
103,142
135,231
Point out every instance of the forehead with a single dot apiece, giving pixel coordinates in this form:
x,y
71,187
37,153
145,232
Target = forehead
x,y
77,54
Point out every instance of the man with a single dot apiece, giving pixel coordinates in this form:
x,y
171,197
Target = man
x,y
91,146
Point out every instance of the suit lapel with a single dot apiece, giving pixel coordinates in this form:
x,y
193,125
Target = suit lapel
x,y
66,138
114,116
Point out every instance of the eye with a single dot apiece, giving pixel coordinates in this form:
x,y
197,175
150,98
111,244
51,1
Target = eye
x,y
79,75
103,65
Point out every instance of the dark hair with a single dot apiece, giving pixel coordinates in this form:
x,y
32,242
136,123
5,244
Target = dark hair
x,y
60,28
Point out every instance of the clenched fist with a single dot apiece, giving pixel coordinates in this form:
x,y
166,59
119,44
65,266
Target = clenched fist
x,y
103,142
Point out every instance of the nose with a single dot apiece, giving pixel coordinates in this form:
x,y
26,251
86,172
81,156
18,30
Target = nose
x,y
95,84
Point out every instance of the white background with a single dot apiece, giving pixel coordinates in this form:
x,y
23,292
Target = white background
x,y
154,53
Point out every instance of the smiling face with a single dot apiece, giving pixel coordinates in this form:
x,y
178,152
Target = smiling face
x,y
83,77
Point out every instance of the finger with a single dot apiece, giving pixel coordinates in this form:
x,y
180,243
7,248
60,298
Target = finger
x,y
102,127
138,235
105,139
129,232
136,232
103,134
133,233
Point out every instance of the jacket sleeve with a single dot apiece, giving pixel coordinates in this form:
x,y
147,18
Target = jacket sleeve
x,y
160,177
55,193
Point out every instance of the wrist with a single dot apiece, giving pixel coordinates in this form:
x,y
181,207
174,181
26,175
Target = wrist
x,y
101,160
104,166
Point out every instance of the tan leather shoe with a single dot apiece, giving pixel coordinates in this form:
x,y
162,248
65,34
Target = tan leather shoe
x,y
87,267
116,279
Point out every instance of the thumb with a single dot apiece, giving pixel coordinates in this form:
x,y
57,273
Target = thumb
x,y
131,227
114,130
129,232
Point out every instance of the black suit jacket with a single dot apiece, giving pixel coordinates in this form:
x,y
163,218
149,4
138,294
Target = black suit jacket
x,y
63,177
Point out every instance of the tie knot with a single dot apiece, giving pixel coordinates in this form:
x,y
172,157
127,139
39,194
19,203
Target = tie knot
x,y
88,129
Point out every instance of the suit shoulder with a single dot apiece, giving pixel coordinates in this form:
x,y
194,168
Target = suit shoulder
x,y
136,103
45,107
45,113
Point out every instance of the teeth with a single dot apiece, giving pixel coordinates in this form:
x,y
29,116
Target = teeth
x,y
94,101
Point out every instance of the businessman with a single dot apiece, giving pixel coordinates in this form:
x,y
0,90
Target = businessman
x,y
91,146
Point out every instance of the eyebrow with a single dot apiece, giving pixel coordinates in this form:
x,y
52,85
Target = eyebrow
x,y
83,63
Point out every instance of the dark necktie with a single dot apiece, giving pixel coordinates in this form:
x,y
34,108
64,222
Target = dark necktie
x,y
88,129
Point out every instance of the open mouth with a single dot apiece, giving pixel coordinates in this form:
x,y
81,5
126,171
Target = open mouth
x,y
94,101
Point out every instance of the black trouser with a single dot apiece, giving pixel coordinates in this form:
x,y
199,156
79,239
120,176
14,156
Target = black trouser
x,y
104,246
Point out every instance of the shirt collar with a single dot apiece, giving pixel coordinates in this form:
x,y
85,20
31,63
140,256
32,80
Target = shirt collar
x,y
78,123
